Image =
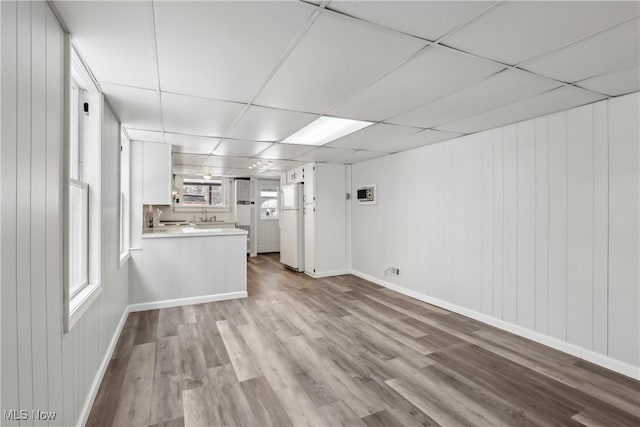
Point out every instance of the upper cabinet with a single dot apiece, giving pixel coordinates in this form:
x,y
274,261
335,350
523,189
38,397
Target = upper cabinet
x,y
309,173
296,175
156,174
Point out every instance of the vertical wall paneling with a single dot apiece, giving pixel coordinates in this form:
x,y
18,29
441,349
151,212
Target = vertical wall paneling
x,y
600,225
37,203
449,252
10,375
624,274
487,237
542,224
510,220
580,225
557,225
23,203
498,221
437,225
473,292
526,296
534,224
53,191
459,236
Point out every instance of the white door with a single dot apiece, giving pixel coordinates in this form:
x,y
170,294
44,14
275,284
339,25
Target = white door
x,y
268,215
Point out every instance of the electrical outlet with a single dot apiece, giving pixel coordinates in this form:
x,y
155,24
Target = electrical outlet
x,y
394,271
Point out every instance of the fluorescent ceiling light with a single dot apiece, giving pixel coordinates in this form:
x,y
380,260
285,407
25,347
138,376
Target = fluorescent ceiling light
x,y
324,130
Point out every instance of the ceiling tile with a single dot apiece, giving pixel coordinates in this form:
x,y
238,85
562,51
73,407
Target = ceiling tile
x,y
228,161
145,135
236,147
362,155
285,165
188,159
185,169
555,100
514,31
284,151
242,172
613,49
426,19
419,139
224,50
337,56
326,154
615,84
503,88
136,108
433,73
198,116
215,171
115,39
372,135
269,124
191,143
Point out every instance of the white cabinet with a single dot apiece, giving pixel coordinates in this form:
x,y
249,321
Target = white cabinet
x,y
325,219
156,174
308,172
296,175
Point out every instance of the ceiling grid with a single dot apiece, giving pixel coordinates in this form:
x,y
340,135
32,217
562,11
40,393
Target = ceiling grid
x,y
440,69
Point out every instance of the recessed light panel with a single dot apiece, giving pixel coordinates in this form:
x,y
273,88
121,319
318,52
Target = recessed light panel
x,y
324,130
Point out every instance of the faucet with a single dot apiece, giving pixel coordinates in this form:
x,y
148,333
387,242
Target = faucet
x,y
204,219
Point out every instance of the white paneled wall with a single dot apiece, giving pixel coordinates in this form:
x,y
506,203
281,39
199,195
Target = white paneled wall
x,y
534,224
31,156
42,368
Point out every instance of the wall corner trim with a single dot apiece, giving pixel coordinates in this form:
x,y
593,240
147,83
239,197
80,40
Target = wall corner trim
x,y
572,349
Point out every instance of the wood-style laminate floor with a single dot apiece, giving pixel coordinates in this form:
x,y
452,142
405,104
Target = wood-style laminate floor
x,y
343,351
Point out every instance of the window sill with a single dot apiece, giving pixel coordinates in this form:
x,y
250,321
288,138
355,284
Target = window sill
x,y
81,302
124,257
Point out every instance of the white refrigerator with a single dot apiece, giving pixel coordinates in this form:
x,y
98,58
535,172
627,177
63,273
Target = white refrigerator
x,y
292,226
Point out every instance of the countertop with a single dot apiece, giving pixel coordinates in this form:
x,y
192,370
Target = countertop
x,y
167,232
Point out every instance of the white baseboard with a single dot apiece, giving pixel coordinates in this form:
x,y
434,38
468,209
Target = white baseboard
x,y
186,301
328,273
572,349
102,369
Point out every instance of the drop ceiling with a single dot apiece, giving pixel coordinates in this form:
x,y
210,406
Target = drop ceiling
x,y
226,82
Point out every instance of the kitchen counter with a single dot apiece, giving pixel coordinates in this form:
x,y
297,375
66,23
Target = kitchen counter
x,y
186,231
173,268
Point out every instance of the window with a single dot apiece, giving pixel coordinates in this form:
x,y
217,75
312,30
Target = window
x,y
78,236
200,192
269,203
78,193
83,209
125,192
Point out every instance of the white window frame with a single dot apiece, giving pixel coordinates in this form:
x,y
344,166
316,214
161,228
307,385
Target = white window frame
x,y
226,186
263,199
88,127
74,289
